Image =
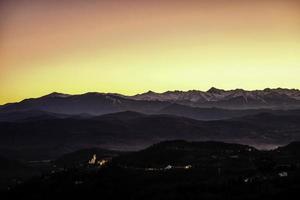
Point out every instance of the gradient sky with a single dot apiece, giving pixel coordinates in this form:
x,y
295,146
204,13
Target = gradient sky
x,y
133,46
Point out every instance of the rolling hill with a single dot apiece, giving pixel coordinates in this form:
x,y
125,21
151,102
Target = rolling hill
x,y
48,138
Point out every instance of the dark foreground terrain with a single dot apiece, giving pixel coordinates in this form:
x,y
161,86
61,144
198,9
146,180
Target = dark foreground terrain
x,y
167,170
111,146
47,137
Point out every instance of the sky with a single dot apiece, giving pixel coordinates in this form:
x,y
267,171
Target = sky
x,y
129,47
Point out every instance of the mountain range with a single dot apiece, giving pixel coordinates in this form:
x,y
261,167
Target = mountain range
x,y
211,105
234,99
46,127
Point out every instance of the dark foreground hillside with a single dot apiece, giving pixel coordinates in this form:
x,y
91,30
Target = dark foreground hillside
x,y
119,183
46,137
171,170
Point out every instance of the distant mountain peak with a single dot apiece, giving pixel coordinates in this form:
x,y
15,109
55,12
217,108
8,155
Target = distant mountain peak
x,y
215,90
56,94
239,90
150,92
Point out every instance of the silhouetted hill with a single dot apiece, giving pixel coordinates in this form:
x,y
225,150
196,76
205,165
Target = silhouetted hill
x,y
12,172
293,147
288,153
196,154
172,170
130,131
208,113
29,115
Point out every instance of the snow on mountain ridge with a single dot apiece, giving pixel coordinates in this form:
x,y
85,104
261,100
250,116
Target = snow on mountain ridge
x,y
215,95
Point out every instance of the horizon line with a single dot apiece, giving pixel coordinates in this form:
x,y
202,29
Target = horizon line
x,y
151,91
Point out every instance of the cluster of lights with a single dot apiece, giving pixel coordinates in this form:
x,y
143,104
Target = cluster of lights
x,y
94,161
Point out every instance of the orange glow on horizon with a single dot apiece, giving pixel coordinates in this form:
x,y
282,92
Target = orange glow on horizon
x,y
134,46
